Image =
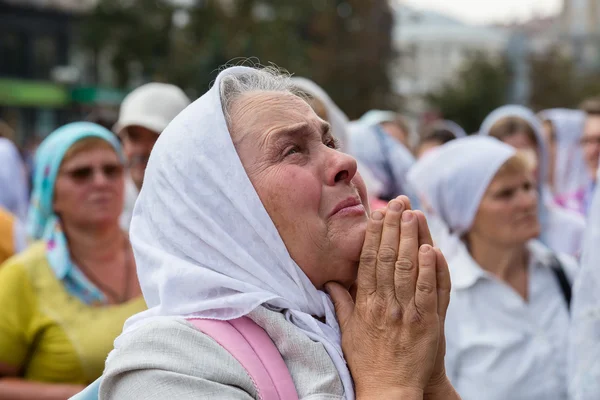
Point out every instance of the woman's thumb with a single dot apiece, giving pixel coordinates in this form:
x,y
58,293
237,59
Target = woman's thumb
x,y
342,300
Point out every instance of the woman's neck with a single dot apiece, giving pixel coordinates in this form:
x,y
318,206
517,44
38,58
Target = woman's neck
x,y
94,245
501,261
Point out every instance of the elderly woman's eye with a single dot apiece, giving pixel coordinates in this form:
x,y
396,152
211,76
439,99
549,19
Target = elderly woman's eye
x,y
332,143
528,186
292,150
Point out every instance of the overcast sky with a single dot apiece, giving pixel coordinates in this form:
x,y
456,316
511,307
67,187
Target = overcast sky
x,y
486,11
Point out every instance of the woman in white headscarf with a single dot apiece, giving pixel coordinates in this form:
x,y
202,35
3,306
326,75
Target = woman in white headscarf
x,y
584,356
248,209
392,123
562,230
328,111
507,323
13,180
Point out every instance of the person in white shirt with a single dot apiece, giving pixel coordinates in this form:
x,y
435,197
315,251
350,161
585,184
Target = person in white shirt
x,y
584,349
144,114
508,319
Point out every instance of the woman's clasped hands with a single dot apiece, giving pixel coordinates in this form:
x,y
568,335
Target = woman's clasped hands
x,y
393,329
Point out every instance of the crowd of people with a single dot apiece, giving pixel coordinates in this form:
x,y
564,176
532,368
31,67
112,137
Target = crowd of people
x,y
256,243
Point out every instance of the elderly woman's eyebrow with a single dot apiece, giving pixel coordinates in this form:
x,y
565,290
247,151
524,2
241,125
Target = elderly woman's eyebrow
x,y
300,129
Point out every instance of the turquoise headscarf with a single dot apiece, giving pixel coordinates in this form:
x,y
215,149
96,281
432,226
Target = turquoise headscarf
x,y
43,223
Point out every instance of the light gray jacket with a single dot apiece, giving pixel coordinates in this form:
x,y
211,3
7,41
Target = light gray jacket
x,y
169,359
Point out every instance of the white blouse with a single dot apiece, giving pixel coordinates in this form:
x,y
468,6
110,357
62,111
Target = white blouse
x,y
500,346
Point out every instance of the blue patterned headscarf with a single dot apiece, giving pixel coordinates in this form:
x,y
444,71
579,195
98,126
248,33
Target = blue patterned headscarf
x,y
43,223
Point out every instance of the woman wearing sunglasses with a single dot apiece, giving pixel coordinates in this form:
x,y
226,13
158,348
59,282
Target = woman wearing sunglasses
x,y
66,297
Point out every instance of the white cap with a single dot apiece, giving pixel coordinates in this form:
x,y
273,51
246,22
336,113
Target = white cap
x,y
152,106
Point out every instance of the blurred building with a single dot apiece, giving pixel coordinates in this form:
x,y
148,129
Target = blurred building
x,y
42,73
575,32
580,29
432,48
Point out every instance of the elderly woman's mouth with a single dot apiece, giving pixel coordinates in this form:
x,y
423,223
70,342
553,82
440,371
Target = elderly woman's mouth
x,y
352,206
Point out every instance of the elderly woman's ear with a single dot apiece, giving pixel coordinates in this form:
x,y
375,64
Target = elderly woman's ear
x,y
402,294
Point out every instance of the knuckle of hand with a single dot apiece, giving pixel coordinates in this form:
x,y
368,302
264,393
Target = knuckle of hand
x,y
405,264
386,255
425,287
391,223
374,227
368,257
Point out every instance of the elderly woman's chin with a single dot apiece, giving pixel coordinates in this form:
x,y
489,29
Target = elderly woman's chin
x,y
347,248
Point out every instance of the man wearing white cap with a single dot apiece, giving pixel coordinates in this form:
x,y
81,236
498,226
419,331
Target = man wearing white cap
x,y
144,114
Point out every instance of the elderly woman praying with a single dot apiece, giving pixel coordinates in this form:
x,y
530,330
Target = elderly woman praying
x,y
249,210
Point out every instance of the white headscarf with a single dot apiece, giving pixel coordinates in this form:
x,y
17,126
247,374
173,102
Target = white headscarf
x,y
562,230
339,129
452,179
13,180
377,117
584,367
451,126
570,172
204,244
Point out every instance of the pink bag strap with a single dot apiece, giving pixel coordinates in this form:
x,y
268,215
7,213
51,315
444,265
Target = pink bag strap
x,y
254,349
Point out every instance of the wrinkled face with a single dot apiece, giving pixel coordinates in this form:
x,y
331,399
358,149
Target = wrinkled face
x,y
507,214
89,188
137,145
590,143
311,191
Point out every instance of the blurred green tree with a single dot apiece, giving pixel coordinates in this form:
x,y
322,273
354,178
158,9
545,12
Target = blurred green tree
x,y
556,82
343,45
481,86
128,32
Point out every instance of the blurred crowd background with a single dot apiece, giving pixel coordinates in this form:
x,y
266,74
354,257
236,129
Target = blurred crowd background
x,y
395,80
61,60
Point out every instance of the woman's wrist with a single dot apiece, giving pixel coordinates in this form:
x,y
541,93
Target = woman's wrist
x,y
443,390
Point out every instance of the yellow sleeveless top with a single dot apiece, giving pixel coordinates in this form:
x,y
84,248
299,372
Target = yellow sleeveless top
x,y
50,334
7,236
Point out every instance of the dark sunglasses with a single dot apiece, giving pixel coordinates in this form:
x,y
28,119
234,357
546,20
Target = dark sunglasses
x,y
85,174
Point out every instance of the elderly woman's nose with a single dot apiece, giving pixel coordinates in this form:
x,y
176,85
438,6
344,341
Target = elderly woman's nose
x,y
341,167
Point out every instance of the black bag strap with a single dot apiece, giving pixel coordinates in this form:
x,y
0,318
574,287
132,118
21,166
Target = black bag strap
x,y
561,277
392,190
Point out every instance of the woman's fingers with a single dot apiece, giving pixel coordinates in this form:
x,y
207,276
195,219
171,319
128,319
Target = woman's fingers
x,y
388,249
424,233
367,274
443,283
426,296
406,201
342,301
405,271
